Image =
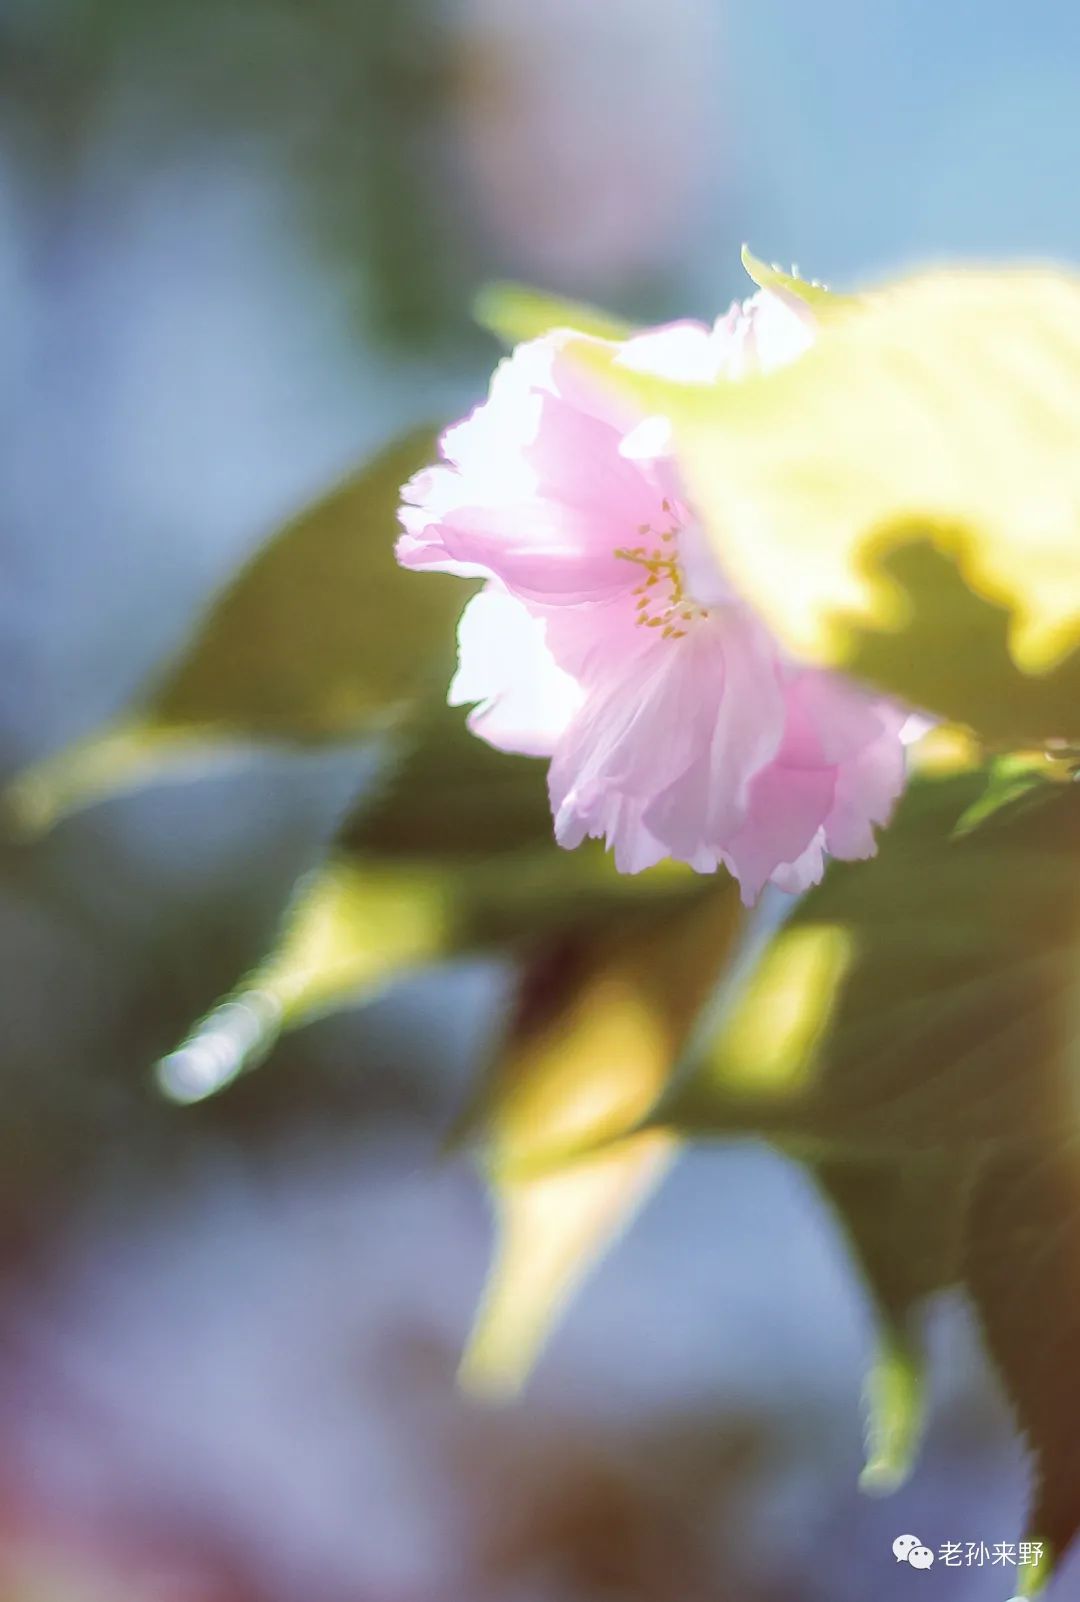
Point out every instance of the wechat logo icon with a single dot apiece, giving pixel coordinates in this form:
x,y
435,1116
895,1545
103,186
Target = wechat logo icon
x,y
910,1550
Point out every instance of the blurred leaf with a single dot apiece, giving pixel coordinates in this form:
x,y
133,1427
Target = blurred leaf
x,y
1023,1275
513,314
921,1002
550,1232
601,1022
320,637
450,805
451,853
904,1222
1011,779
118,758
351,931
449,794
902,500
322,631
895,1399
911,1034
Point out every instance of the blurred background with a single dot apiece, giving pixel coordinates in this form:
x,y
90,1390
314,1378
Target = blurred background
x,y
238,244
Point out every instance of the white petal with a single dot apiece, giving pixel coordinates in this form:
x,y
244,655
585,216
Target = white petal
x,y
525,700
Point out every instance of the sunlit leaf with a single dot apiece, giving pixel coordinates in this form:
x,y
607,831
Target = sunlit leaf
x,y
1010,779
912,1033
122,757
551,1230
352,930
451,853
602,1021
819,298
320,637
902,501
924,1001
514,313
895,1398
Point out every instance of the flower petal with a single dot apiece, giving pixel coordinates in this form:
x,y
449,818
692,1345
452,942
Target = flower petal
x,y
525,700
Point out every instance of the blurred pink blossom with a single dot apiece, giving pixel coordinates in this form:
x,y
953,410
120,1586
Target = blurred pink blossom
x,y
607,637
592,138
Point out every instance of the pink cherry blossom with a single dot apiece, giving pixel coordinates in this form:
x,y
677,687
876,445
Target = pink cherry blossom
x,y
607,638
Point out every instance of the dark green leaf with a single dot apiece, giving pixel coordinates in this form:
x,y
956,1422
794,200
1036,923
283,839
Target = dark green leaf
x,y
320,637
922,1001
904,1222
322,631
450,795
454,808
1023,1273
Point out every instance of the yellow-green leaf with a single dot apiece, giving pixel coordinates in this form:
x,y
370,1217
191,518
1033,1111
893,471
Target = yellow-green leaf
x,y
551,1230
903,500
514,313
602,1023
352,929
451,853
924,1002
817,296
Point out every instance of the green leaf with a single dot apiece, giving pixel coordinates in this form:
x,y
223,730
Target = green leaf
x,y
1023,1275
451,854
1013,779
602,1020
454,807
352,930
921,1002
322,632
902,500
514,313
320,637
904,1222
911,1034
449,795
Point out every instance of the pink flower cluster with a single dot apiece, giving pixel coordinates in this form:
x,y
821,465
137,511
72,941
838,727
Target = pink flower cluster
x,y
607,638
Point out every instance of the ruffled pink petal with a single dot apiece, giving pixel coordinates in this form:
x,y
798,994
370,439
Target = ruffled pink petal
x,y
867,788
544,551
750,723
838,772
586,640
425,500
609,637
786,811
734,671
544,510
807,870
637,731
578,462
616,819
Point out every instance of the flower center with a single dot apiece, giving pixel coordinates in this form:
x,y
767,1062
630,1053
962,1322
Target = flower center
x,y
662,601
